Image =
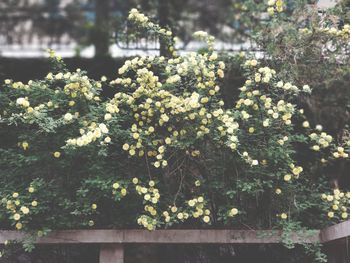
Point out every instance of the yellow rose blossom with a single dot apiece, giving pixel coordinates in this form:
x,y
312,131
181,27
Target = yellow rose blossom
x,y
287,177
206,219
233,212
16,217
123,192
284,216
19,226
25,145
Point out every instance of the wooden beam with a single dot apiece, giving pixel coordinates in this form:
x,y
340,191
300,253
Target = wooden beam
x,y
337,251
335,232
174,236
111,253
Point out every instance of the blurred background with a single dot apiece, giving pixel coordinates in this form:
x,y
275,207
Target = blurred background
x,y
89,33
96,28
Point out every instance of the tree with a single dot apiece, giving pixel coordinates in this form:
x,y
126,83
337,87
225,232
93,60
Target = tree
x,y
101,30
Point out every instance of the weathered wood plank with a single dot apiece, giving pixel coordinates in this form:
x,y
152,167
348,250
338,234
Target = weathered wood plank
x,y
174,236
335,232
338,251
111,253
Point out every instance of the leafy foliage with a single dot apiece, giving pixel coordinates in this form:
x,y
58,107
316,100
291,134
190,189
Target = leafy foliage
x,y
165,149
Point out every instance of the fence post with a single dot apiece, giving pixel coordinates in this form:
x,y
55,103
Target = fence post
x,y
112,253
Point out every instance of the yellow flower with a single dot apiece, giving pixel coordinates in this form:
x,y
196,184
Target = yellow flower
x,y
34,203
91,223
16,216
115,185
316,148
344,215
15,195
123,192
94,206
279,3
233,212
19,226
287,177
278,191
191,203
270,11
330,214
180,216
135,180
284,216
68,117
306,124
340,149
57,154
31,189
126,147
330,198
206,219
25,145
25,210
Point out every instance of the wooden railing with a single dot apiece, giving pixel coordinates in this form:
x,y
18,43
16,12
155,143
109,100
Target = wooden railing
x,y
112,241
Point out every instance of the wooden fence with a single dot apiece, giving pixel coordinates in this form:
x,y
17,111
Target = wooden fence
x,y
112,242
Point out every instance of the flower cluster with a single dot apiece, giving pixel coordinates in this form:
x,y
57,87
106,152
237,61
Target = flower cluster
x,y
76,85
338,204
275,6
138,17
204,36
322,140
93,132
20,209
331,33
142,21
163,115
343,33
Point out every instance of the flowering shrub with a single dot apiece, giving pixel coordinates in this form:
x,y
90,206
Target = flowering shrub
x,y
338,202
164,149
